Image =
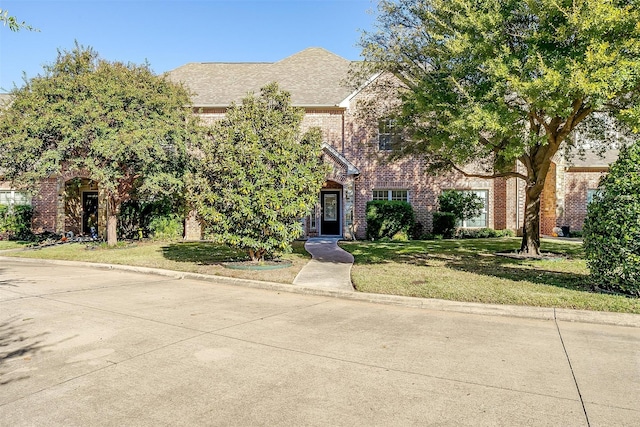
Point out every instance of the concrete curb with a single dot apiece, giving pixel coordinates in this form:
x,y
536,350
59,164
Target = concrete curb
x,y
541,313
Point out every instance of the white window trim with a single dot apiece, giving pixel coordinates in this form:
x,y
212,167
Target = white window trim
x,y
12,197
485,211
390,194
387,126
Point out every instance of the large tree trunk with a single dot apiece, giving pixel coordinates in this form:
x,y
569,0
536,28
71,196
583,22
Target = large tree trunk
x,y
531,228
112,235
112,221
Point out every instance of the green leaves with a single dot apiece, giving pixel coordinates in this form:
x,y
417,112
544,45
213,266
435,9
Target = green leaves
x,y
612,227
493,82
123,125
257,175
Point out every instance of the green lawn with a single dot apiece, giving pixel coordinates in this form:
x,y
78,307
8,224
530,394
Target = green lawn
x,y
470,270
459,270
195,257
8,244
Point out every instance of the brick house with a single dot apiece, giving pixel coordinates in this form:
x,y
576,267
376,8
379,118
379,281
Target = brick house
x,y
355,150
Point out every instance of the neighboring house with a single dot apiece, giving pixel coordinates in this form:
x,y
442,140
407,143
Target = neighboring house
x,y
355,149
68,202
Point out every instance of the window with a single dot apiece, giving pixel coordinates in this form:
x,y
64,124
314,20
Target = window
x,y
480,221
386,134
402,195
11,198
591,192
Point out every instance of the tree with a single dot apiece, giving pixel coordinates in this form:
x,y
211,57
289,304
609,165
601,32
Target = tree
x,y
463,205
121,124
612,227
12,22
257,175
487,85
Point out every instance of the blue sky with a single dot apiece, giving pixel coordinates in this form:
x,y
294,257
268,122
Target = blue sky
x,y
168,34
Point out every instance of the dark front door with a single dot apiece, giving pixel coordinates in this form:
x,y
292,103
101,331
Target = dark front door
x,y
89,211
330,221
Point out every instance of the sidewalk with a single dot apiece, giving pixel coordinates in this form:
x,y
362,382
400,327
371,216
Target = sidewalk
x,y
329,268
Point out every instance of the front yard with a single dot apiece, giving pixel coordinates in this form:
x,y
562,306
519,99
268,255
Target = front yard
x,y
470,270
193,257
459,270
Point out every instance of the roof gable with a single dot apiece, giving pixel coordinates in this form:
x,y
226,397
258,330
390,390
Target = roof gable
x,y
314,77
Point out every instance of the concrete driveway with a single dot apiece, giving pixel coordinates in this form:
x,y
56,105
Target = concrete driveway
x,y
84,346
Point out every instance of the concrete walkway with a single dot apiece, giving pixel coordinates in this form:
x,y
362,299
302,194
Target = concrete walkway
x,y
88,346
330,266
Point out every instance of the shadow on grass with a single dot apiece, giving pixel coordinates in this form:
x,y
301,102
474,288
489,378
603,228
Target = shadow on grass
x,y
477,256
202,253
521,270
208,253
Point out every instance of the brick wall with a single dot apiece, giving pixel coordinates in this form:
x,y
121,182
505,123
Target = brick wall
x,y
377,172
548,206
577,182
45,205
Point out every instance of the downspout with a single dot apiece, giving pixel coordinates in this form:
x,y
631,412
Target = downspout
x,y
343,129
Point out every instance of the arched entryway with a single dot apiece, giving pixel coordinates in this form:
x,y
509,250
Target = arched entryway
x,y
81,206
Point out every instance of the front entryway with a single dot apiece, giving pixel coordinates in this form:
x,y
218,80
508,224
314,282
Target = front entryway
x,y
89,211
330,213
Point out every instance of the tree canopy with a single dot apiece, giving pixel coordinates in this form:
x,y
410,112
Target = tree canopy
x,y
258,174
121,124
506,83
13,23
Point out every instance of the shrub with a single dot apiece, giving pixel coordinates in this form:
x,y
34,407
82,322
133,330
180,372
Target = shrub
x,y
612,227
16,221
444,224
576,233
166,227
136,215
482,233
387,218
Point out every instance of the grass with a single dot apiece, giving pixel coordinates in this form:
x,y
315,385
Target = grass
x,y
470,270
195,257
459,270
9,244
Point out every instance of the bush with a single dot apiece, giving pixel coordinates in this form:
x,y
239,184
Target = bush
x,y
166,227
444,224
15,222
136,216
576,233
387,218
612,227
482,233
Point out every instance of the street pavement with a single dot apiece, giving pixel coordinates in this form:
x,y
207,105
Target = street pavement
x,y
87,346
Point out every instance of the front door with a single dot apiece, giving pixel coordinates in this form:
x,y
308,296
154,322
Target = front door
x,y
89,211
330,220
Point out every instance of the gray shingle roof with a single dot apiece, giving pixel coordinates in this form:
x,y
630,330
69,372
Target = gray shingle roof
x,y
314,77
592,159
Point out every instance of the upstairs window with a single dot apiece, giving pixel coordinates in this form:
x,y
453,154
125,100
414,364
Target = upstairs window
x,y
386,134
